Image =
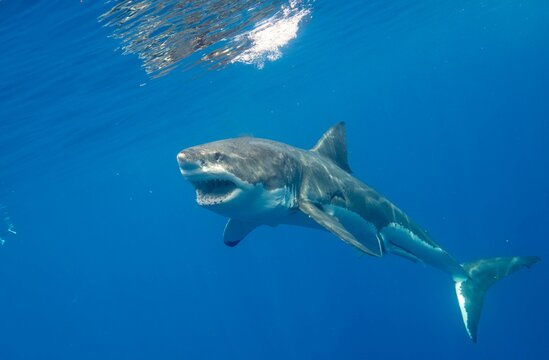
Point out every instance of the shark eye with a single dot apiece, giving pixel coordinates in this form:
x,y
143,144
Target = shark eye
x,y
218,156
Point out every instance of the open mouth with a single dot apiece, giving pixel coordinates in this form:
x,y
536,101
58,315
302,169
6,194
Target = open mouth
x,y
213,191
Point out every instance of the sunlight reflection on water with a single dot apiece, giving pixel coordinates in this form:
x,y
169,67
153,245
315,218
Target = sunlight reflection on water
x,y
216,33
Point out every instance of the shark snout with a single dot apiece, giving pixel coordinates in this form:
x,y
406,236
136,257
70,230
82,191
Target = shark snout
x,y
186,163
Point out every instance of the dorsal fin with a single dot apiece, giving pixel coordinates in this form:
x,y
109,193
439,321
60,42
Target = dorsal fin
x,y
333,146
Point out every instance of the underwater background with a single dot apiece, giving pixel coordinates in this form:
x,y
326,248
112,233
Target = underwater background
x,y
104,253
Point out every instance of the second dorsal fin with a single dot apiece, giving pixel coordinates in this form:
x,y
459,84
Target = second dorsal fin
x,y
333,145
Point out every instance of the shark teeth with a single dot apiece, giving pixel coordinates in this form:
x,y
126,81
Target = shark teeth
x,y
213,191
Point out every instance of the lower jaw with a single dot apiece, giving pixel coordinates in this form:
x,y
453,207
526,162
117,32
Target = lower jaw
x,y
208,202
212,201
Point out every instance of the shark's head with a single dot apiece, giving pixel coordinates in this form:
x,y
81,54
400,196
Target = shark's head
x,y
241,177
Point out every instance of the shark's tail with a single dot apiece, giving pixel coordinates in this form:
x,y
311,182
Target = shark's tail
x,y
483,274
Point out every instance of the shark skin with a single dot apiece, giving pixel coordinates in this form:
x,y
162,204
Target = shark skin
x,y
258,182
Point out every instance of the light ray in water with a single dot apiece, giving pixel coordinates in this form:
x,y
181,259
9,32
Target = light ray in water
x,y
165,33
7,229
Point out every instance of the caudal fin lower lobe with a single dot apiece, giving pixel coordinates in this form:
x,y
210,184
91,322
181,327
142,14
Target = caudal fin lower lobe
x,y
483,274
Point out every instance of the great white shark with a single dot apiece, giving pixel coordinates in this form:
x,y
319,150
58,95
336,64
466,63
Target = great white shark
x,y
258,182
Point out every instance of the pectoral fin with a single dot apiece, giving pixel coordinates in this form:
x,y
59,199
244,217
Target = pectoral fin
x,y
236,230
332,224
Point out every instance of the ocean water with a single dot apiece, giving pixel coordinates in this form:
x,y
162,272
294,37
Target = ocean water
x,y
104,253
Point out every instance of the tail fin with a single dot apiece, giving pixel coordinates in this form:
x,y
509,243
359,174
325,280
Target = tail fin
x,y
483,274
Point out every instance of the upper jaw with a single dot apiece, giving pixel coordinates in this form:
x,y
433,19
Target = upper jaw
x,y
199,170
212,186
196,173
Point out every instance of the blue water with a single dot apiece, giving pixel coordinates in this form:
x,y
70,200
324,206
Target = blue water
x,y
105,254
